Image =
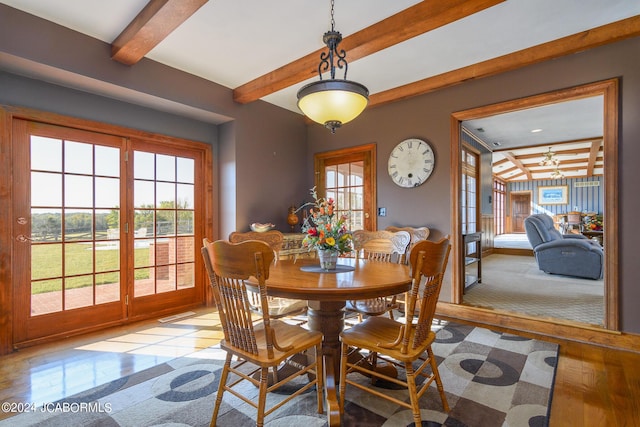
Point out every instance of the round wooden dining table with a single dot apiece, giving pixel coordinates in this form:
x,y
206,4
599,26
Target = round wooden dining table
x,y
327,293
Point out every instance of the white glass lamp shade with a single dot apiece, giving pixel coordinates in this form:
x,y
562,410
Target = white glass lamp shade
x,y
333,102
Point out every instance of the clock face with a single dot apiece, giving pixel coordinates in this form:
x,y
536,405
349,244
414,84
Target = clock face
x,y
411,163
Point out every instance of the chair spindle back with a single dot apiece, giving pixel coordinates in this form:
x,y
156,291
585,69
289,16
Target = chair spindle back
x,y
228,268
428,262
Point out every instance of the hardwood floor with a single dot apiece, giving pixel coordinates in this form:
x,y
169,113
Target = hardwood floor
x,y
48,372
594,386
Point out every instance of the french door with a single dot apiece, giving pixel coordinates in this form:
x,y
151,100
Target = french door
x,y
348,177
165,228
105,229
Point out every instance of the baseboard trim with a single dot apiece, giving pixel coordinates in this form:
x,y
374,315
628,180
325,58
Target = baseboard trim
x,y
513,251
551,330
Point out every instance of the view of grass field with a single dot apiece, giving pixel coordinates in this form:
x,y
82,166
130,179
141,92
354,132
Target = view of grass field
x,y
77,237
46,265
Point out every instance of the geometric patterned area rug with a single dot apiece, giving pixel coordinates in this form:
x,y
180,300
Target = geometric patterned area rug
x,y
490,379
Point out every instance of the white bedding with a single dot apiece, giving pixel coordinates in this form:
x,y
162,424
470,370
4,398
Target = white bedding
x,y
512,241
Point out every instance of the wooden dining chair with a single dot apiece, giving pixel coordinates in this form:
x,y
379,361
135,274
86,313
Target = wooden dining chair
x,y
402,343
278,307
416,233
380,246
265,344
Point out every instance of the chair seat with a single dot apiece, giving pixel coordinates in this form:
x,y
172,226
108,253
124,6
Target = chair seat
x,y
267,344
378,246
405,344
288,335
373,306
282,307
374,331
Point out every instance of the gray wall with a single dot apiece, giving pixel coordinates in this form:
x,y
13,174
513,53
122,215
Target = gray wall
x,y
20,91
428,116
266,184
266,154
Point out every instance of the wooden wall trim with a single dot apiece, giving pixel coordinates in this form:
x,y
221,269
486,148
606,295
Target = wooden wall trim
x,y
610,33
6,290
611,220
550,329
609,90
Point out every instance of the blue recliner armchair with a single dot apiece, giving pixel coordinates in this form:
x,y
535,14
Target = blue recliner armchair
x,y
568,254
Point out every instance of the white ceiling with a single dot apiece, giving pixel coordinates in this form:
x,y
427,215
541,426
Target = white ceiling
x,y
568,128
232,42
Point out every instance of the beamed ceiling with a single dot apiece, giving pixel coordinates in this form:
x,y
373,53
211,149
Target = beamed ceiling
x,y
398,49
578,159
573,130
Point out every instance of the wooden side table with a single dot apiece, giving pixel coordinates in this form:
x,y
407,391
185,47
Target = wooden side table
x,y
471,279
599,235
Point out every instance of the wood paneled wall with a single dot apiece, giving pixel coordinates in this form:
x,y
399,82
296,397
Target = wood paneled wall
x,y
488,233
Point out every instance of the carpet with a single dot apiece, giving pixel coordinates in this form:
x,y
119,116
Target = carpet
x,y
516,284
490,378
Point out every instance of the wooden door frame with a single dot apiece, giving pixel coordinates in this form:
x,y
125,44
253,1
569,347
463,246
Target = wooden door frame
x,y
7,115
370,182
609,90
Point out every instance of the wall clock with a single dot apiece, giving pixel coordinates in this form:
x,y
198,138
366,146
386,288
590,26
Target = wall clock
x,y
411,163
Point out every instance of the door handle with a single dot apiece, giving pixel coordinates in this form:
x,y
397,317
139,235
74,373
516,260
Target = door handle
x,y
22,238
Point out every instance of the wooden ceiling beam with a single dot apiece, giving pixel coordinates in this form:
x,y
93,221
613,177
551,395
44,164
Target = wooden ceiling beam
x,y
571,152
512,158
500,162
595,37
404,25
593,156
564,168
513,177
588,165
565,162
152,25
555,145
506,171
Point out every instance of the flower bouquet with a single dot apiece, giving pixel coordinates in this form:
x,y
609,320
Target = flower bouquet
x,y
326,232
593,223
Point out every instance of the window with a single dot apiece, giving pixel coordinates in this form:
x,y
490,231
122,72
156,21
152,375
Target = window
x,y
499,206
108,226
348,176
469,191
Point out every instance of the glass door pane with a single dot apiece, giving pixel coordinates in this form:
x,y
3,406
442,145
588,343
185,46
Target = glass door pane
x,y
163,226
344,183
75,217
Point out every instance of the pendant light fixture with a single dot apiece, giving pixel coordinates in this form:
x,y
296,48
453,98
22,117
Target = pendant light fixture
x,y
557,174
333,102
549,159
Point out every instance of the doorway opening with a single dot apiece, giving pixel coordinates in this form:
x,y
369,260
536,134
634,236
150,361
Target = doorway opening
x,y
607,92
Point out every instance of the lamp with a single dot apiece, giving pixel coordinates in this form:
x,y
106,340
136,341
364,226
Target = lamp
x,y
557,174
549,159
333,102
